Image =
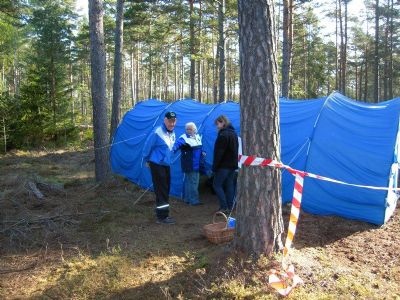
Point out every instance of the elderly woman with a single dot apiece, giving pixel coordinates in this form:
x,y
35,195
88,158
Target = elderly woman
x,y
191,147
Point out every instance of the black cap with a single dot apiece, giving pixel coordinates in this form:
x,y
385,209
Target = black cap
x,y
170,115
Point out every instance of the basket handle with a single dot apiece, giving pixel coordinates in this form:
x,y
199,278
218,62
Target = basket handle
x,y
221,214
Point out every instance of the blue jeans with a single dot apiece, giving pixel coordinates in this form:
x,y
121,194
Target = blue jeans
x,y
191,187
224,187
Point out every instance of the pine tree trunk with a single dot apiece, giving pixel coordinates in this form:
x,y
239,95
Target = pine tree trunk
x,y
221,50
215,73
341,87
376,54
192,54
182,94
98,88
287,43
360,82
139,89
132,73
260,224
199,70
4,135
344,52
117,85
176,72
390,84
366,75
337,2
165,79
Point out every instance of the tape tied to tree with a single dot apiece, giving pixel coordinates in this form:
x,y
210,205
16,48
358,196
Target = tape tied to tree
x,y
284,281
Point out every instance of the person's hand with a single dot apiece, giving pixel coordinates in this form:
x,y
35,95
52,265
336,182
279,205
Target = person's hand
x,y
147,164
203,154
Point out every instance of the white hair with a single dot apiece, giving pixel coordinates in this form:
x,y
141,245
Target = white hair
x,y
191,124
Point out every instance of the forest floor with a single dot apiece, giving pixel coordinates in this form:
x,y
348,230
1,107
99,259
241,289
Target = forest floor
x,y
88,241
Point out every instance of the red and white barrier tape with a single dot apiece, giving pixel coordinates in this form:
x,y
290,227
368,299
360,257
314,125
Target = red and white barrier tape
x,y
285,281
294,212
258,161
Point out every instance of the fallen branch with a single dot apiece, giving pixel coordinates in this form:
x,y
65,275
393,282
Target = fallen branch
x,y
32,188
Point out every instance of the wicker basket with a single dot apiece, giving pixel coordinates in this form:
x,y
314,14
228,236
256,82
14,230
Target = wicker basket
x,y
218,232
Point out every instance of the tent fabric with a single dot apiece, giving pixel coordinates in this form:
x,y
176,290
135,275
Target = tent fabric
x,y
332,136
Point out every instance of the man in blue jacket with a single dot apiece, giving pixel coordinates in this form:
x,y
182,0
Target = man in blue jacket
x,y
157,154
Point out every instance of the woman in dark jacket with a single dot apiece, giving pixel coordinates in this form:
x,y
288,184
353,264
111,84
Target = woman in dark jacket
x,y
225,163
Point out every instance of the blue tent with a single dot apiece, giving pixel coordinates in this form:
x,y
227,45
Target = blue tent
x,y
332,136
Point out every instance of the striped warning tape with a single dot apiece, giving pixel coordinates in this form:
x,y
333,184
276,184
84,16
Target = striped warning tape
x,y
286,280
263,162
294,212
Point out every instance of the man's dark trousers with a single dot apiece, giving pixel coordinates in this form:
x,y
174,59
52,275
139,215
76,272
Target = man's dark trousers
x,y
161,178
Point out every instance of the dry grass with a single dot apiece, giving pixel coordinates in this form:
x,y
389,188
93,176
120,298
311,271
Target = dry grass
x,y
92,242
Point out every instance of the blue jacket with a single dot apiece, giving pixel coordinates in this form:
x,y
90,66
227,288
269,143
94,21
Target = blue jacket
x,y
191,148
158,146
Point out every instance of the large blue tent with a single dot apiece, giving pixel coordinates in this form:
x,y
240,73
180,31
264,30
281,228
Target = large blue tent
x,y
332,136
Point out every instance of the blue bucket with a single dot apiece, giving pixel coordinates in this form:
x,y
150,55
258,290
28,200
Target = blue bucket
x,y
231,222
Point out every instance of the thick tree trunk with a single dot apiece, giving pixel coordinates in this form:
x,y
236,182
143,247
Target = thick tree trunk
x,y
260,224
98,68
117,86
221,50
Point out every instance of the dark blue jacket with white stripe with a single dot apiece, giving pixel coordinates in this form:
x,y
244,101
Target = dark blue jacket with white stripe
x,y
191,149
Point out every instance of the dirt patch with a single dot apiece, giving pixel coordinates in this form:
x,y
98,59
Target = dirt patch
x,y
98,242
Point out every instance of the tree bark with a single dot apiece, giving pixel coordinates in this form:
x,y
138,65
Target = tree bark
x,y
376,55
341,87
260,224
199,62
98,88
344,52
390,83
117,85
221,50
192,53
4,135
287,43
